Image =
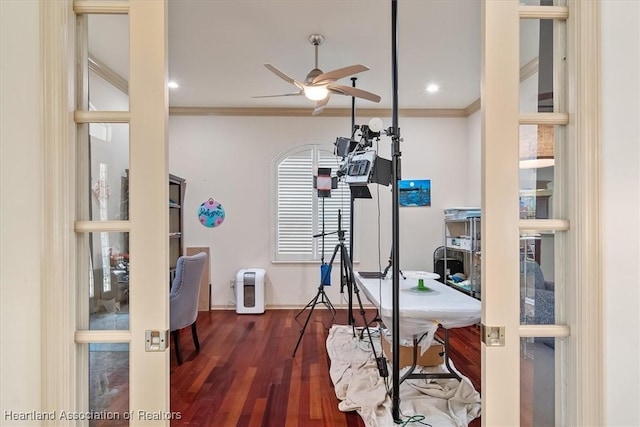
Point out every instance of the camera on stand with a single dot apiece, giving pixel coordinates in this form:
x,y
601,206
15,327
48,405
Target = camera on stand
x,y
361,163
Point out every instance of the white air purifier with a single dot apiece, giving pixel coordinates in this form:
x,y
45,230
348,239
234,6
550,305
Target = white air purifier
x,y
250,291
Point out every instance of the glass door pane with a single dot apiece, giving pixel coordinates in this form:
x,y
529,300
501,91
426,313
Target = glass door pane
x,y
124,42
537,382
108,384
541,165
108,62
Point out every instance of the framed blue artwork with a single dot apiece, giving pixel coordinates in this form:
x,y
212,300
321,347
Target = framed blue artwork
x,y
414,192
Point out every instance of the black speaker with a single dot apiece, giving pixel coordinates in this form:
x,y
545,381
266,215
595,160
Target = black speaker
x,y
453,266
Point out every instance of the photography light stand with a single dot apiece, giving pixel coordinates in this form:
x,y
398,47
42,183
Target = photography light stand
x,y
325,279
346,272
395,219
351,320
324,183
389,265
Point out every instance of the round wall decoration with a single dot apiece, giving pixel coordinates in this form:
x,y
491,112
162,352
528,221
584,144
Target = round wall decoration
x,y
211,213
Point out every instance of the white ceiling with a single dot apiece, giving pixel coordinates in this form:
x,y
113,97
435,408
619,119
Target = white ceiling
x,y
217,50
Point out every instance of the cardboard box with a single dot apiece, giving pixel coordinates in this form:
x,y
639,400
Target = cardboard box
x,y
461,242
432,357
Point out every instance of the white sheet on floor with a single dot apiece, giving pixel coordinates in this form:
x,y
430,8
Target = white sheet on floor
x,y
358,385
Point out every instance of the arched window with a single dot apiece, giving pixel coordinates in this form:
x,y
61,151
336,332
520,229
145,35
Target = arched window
x,y
299,210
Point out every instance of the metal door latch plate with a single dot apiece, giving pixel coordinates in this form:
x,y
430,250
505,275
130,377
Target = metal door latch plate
x,y
492,336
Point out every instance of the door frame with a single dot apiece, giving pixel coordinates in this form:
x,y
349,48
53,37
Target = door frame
x,y
583,297
579,358
64,342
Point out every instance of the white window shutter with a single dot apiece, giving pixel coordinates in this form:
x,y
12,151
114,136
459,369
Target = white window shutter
x,y
339,200
295,207
299,209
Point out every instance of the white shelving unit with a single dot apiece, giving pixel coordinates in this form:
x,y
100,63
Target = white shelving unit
x,y
177,187
462,235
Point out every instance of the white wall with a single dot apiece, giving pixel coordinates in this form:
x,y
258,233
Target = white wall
x,y
474,159
20,204
230,158
621,209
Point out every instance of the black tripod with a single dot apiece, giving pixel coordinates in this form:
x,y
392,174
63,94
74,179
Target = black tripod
x,y
325,277
321,296
346,277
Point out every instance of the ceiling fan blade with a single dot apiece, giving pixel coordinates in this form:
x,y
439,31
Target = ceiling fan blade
x,y
283,76
340,73
280,74
353,91
320,106
283,94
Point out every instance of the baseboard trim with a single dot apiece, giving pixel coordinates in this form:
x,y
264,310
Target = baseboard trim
x,y
287,307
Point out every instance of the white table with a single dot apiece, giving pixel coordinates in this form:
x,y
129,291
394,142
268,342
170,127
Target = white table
x,y
421,312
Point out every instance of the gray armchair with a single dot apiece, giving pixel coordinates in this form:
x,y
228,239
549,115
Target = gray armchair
x,y
534,286
183,298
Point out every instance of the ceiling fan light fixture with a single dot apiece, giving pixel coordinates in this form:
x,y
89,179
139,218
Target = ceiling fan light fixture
x,y
318,86
316,93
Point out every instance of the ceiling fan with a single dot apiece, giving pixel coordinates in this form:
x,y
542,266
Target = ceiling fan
x,y
319,86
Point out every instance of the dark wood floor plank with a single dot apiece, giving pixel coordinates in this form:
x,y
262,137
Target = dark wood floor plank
x,y
245,375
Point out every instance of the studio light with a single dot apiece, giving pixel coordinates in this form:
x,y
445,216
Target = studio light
x,y
376,124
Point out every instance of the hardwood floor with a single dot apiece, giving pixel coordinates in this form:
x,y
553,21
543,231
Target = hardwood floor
x,y
245,375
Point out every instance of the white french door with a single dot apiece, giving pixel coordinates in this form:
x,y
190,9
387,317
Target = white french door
x,y
538,170
121,220
135,273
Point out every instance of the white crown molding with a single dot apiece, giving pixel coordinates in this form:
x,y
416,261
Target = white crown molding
x,y
306,112
58,250
473,107
101,69
526,71
529,69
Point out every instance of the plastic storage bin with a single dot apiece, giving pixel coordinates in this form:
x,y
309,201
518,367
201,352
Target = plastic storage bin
x,y
250,291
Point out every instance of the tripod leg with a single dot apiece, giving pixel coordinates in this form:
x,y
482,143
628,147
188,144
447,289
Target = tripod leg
x,y
307,306
314,301
324,299
313,305
347,276
329,306
381,365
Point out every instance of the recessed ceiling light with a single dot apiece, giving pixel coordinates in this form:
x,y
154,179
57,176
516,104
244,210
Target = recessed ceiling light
x,y
173,85
433,88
